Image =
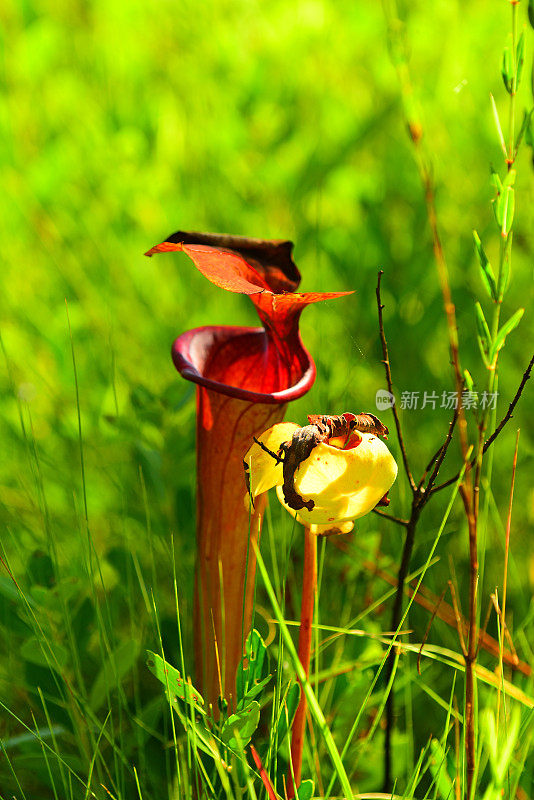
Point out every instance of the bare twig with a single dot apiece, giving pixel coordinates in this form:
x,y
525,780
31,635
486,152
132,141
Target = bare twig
x,y
439,451
511,407
442,453
397,520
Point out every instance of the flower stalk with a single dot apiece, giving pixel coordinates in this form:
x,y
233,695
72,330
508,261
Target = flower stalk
x,y
309,589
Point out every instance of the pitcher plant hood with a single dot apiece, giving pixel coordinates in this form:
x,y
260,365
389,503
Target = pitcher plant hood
x,y
261,365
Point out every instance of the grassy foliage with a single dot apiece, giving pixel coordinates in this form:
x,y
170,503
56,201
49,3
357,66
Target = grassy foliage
x,y
122,122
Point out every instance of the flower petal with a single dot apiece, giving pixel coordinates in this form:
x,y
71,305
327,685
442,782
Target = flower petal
x,y
343,484
332,528
263,471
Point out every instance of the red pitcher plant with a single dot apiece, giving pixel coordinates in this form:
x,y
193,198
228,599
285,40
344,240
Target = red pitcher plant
x,y
245,377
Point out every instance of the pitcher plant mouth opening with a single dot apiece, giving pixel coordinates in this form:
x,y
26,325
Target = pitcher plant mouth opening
x,y
245,378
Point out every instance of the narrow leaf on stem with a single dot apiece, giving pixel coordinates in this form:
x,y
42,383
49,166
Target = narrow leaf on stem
x,y
483,334
507,328
468,380
498,125
527,117
507,70
504,274
487,274
519,59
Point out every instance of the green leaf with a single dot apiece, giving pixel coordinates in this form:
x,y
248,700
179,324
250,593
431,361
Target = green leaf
x,y
497,123
112,672
239,727
507,70
531,12
483,334
41,569
172,680
252,672
509,179
468,380
305,790
256,690
507,328
285,720
197,733
56,658
525,126
519,58
183,692
504,275
495,180
504,206
487,274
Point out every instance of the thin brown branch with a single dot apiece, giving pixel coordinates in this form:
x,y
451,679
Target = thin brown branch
x,y
511,407
507,417
389,382
396,616
397,520
442,453
432,461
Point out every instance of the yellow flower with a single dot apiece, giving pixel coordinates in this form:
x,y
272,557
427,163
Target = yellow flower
x,y
344,478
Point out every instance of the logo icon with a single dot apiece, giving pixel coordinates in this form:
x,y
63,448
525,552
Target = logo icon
x,y
384,399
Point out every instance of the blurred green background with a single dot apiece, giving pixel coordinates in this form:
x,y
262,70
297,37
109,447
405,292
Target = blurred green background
x,y
123,121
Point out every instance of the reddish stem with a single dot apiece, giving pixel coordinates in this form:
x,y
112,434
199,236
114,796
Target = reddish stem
x,y
309,586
